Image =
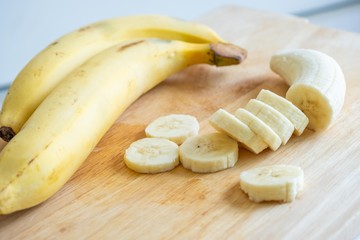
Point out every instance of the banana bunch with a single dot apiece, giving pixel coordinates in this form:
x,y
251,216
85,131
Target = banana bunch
x,y
71,93
47,69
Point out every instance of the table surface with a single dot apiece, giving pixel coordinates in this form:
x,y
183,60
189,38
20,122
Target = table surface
x,y
104,199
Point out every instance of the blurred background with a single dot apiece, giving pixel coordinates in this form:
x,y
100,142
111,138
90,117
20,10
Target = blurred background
x,y
27,26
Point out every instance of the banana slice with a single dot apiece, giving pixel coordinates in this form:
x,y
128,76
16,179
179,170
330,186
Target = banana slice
x,y
209,153
227,123
278,122
287,108
272,183
152,155
174,127
259,127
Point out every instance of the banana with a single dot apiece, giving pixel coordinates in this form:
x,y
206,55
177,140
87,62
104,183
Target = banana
x,y
174,127
272,183
259,127
227,123
207,153
51,65
274,119
286,108
68,124
152,155
317,84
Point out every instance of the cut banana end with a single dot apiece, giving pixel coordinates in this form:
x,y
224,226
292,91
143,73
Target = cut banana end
x,y
286,108
317,84
272,183
174,127
273,118
313,104
209,153
259,127
152,155
227,123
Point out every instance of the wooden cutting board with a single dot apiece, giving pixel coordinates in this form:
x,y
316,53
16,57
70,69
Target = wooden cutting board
x,y
105,200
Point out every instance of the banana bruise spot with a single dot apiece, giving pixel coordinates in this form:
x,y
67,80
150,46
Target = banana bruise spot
x,y
6,133
54,43
122,48
83,29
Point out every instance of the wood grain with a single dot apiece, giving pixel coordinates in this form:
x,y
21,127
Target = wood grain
x,y
105,200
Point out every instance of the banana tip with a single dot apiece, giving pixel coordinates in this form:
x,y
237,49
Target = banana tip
x,y
6,133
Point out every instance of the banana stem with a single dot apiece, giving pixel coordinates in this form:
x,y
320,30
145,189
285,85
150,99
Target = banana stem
x,y
225,54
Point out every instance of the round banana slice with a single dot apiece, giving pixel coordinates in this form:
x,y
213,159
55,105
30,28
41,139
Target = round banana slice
x,y
273,118
259,127
152,155
287,108
174,127
209,153
227,123
272,183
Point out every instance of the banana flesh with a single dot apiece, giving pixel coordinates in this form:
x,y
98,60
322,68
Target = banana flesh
x,y
152,155
285,107
268,121
274,119
174,127
45,71
259,127
317,84
227,123
272,183
208,153
71,120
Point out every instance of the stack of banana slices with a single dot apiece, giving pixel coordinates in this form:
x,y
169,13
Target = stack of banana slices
x,y
267,121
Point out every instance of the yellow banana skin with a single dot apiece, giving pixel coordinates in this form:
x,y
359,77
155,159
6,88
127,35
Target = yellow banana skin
x,y
67,125
51,65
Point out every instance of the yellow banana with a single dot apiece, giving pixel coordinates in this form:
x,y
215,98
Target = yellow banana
x,y
56,61
67,125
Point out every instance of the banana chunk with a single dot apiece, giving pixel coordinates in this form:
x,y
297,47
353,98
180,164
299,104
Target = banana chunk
x,y
317,84
286,108
272,183
227,123
273,118
152,155
174,127
259,127
209,153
